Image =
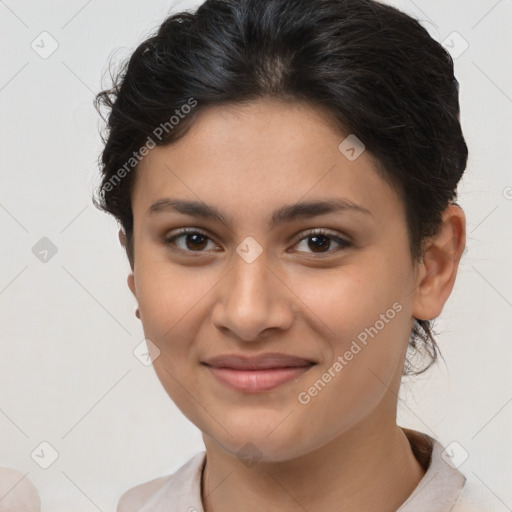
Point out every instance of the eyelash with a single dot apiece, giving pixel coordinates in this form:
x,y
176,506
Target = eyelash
x,y
344,244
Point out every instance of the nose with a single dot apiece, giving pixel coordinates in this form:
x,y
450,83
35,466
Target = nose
x,y
253,301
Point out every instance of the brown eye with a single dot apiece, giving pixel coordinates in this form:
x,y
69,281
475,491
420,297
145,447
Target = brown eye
x,y
192,240
321,242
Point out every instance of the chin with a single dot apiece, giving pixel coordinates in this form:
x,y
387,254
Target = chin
x,y
254,441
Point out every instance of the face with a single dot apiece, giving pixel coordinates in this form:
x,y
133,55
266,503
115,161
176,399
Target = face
x,y
257,282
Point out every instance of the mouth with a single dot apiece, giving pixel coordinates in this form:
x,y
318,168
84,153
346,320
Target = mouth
x,y
257,374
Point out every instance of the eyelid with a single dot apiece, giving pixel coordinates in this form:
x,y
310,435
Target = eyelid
x,y
324,232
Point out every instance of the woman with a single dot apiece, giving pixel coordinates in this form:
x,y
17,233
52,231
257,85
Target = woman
x,y
284,174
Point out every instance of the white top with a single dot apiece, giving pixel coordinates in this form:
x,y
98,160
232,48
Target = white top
x,y
443,488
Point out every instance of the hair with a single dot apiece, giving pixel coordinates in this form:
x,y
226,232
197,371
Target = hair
x,y
374,68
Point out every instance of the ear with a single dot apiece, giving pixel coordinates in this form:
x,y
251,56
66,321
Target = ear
x,y
131,283
438,269
131,277
122,237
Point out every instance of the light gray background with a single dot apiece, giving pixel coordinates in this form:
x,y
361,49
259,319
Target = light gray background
x,y
68,373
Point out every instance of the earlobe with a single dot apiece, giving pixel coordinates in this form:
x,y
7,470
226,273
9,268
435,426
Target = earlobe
x,y
438,269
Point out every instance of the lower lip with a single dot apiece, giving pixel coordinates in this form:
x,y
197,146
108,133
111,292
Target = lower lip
x,y
255,381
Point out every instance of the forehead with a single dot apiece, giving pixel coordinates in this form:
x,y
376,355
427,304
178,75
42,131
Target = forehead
x,y
247,157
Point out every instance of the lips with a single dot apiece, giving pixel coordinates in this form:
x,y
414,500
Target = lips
x,y
261,362
257,374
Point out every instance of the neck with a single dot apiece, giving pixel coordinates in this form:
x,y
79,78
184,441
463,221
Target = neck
x,y
370,467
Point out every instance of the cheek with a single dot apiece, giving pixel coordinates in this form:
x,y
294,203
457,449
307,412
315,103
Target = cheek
x,y
346,300
362,314
168,294
169,300
363,359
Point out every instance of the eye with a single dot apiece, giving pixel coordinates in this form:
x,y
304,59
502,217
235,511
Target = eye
x,y
194,240
322,240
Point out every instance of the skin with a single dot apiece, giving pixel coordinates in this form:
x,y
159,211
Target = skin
x,y
342,451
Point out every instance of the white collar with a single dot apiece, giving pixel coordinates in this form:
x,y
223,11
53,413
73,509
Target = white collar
x,y
437,491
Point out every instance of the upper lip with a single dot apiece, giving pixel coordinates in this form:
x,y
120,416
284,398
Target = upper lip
x,y
260,362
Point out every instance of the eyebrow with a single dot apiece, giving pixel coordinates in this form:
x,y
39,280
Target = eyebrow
x,y
283,215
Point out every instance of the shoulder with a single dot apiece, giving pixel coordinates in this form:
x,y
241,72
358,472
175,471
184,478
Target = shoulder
x,y
182,486
444,486
133,499
476,497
